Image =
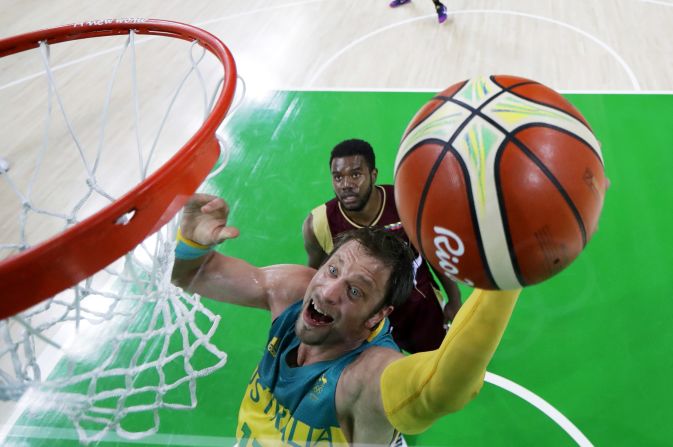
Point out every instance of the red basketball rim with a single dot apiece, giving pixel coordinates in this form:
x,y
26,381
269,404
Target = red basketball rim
x,y
85,248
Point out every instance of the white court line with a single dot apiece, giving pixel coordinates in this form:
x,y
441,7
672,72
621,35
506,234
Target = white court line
x,y
58,67
657,2
613,53
62,434
440,88
159,439
619,59
618,92
361,39
541,405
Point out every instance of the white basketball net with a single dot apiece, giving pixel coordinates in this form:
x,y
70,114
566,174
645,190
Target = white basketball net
x,y
124,342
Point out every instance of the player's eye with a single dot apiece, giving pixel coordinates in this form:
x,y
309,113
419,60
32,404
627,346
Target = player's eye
x,y
354,292
337,178
332,270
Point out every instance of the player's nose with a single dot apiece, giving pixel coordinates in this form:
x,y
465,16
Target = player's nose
x,y
331,292
349,182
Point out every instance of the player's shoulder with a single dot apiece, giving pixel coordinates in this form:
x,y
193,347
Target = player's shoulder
x,y
378,353
360,379
286,284
326,210
288,279
370,364
301,273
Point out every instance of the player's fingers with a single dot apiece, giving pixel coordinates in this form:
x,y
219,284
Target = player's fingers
x,y
216,206
227,233
197,201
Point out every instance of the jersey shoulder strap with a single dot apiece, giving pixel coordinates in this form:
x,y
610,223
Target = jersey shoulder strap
x,y
321,228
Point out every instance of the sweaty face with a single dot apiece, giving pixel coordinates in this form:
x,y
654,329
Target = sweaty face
x,y
343,301
352,181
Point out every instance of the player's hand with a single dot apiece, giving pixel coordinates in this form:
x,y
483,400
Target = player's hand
x,y
451,308
204,220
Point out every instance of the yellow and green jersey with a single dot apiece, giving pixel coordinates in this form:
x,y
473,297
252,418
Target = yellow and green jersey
x,y
296,406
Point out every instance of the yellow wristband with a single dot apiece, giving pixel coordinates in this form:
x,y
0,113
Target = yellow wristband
x,y
190,242
187,249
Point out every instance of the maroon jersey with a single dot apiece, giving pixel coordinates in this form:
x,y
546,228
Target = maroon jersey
x,y
418,324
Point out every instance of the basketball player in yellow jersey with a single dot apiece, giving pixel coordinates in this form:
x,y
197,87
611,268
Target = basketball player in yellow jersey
x,y
333,321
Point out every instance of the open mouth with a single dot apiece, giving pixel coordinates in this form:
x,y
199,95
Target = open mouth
x,y
316,316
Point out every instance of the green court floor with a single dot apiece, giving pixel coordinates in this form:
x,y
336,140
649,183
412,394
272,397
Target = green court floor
x,y
593,342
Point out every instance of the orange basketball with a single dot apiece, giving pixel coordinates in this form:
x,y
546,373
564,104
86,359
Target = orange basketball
x,y
499,182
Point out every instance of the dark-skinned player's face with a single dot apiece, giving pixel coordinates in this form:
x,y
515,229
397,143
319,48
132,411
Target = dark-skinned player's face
x,y
352,181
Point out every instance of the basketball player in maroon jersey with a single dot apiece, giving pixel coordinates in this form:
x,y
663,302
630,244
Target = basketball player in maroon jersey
x,y
419,324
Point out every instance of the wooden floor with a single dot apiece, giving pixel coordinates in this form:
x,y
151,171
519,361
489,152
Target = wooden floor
x,y
611,45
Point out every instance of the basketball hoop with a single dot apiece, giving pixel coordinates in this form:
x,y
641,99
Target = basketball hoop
x,y
128,241
90,245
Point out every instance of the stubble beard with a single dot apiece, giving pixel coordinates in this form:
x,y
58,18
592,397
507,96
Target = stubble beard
x,y
359,206
306,335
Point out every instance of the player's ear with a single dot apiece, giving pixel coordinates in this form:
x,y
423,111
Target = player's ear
x,y
375,173
375,319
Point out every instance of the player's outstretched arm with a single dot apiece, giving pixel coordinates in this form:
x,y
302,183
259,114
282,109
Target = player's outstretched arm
x,y
383,389
199,269
418,389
